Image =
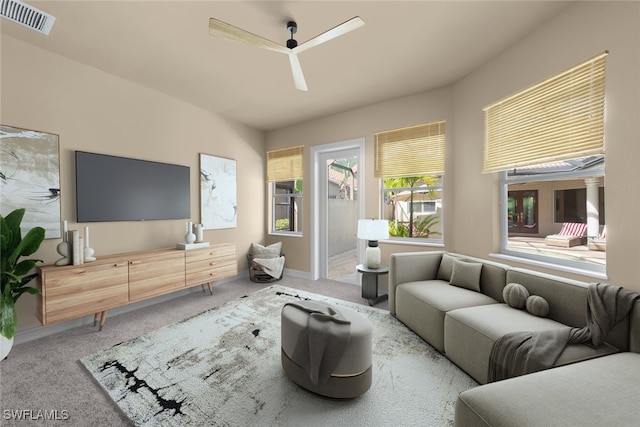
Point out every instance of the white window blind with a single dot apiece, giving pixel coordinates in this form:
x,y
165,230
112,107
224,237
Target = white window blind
x,y
285,164
557,119
411,151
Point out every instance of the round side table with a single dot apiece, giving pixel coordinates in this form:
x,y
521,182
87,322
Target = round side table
x,y
370,283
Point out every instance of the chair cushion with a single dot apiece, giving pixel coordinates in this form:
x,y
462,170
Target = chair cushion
x,y
265,252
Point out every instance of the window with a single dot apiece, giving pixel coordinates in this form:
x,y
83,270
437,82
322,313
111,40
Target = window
x,y
413,206
540,199
284,172
547,142
287,206
571,205
410,162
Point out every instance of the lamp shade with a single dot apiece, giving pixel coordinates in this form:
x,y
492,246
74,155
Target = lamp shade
x,y
373,229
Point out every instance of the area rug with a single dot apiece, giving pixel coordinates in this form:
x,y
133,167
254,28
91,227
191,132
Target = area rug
x,y
222,368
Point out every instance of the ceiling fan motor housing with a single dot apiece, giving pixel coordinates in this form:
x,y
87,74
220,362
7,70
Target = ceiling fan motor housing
x,y
292,27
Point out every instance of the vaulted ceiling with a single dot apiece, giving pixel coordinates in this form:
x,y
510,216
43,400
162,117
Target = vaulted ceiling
x,y
405,47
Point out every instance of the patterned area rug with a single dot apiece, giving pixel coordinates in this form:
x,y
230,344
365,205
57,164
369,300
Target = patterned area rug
x,y
222,368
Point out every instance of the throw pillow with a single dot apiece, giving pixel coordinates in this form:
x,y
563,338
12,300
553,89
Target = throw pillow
x,y
537,306
466,274
265,252
446,264
515,295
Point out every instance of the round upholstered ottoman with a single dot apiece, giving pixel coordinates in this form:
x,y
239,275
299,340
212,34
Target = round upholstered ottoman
x,y
327,349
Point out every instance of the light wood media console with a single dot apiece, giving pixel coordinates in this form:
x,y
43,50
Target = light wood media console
x,y
73,291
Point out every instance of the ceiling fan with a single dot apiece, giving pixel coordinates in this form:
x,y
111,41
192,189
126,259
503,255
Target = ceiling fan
x,y
226,31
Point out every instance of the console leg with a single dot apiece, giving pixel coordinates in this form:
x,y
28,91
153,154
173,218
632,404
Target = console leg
x,y
103,318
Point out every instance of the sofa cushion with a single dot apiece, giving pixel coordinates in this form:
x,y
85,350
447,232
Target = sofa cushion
x,y
422,306
466,274
446,267
537,306
598,392
515,295
469,335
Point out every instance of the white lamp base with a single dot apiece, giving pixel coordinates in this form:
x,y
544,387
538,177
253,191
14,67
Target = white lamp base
x,y
373,257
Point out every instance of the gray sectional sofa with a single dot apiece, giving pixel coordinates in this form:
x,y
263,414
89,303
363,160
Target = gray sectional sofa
x,y
456,304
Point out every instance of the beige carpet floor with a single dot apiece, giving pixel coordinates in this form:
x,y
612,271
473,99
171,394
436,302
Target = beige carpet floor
x,y
43,379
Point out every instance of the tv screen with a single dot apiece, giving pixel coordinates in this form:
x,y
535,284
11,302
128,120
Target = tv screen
x,y
110,188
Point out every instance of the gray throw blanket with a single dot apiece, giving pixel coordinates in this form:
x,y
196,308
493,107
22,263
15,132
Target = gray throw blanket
x,y
272,266
320,348
522,353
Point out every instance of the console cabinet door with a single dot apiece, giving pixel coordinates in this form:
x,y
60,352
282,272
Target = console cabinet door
x,y
155,273
209,264
75,291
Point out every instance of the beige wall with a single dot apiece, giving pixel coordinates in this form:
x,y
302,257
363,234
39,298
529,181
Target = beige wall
x,y
578,33
471,198
407,111
94,111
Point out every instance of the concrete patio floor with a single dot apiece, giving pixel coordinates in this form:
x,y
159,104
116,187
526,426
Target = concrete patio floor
x,y
535,245
342,267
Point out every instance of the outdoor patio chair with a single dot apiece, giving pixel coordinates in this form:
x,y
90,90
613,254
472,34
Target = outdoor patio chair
x,y
599,243
571,234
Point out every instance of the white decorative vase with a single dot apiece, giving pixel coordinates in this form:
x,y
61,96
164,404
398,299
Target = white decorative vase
x,y
5,346
87,250
64,247
189,237
199,231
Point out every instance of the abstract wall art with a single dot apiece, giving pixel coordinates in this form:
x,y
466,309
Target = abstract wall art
x,y
30,177
218,206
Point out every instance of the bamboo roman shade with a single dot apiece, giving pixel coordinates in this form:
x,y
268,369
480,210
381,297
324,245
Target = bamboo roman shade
x,y
285,164
411,151
557,119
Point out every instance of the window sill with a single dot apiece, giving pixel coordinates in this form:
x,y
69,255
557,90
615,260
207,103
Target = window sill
x,y
284,234
588,272
413,243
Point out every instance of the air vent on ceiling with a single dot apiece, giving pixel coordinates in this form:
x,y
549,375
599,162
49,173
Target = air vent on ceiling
x,y
29,16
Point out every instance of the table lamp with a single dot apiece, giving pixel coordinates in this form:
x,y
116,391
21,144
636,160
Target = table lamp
x,y
373,230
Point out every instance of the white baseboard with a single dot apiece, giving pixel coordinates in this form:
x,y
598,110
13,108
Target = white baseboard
x,y
297,273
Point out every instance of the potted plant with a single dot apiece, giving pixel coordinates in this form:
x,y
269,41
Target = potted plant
x,y
15,272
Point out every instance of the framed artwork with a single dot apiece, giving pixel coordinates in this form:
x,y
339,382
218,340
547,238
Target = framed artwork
x,y
218,207
30,178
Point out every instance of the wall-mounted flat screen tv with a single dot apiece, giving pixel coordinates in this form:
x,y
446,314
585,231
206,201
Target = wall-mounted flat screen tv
x,y
110,188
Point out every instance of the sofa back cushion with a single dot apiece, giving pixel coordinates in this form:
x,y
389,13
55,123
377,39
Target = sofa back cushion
x,y
567,300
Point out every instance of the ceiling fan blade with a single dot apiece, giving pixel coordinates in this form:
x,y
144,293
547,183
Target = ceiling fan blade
x,y
341,29
296,69
226,31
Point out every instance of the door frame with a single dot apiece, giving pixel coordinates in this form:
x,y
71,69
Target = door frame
x,y
519,196
318,208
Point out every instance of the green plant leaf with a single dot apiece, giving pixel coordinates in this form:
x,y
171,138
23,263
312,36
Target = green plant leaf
x,y
8,317
15,273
